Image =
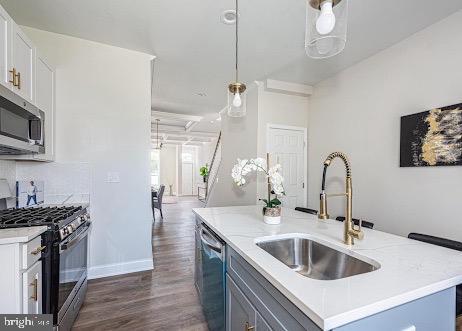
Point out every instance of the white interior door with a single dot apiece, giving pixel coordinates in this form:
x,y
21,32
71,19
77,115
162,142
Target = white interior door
x,y
187,178
287,147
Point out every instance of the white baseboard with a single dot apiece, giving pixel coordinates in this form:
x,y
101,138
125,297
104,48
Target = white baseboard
x,y
115,269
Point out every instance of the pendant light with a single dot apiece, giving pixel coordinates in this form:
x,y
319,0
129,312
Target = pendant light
x,y
237,103
158,146
326,27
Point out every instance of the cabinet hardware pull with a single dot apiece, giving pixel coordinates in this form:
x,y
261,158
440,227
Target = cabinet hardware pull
x,y
34,293
13,74
248,327
38,250
18,75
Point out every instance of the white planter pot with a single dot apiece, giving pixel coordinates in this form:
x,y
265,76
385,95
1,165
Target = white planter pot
x,y
273,220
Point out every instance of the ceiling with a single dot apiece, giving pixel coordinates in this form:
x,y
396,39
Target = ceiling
x,y
183,129
194,49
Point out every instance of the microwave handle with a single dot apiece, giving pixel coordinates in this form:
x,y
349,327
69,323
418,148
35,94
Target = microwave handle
x,y
42,128
42,131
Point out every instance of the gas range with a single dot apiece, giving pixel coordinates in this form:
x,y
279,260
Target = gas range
x,y
65,219
64,259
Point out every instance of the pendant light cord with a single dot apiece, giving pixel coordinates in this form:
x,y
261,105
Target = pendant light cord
x,y
237,40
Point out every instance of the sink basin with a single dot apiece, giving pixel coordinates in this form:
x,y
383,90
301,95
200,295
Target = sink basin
x,y
315,260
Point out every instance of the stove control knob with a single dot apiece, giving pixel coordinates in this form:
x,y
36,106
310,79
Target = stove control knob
x,y
69,229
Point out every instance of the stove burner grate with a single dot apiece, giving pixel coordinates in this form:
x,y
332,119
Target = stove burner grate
x,y
36,216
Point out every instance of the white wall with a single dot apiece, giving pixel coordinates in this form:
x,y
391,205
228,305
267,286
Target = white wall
x,y
246,138
103,107
239,140
358,112
168,168
277,108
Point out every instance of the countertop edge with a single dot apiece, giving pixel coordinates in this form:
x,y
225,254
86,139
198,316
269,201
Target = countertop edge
x,y
22,238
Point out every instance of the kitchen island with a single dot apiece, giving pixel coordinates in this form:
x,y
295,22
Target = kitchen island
x,y
412,288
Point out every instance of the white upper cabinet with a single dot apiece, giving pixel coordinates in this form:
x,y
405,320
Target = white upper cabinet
x,y
5,49
23,62
25,71
44,99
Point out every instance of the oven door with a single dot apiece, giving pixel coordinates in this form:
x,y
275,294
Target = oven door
x,y
72,267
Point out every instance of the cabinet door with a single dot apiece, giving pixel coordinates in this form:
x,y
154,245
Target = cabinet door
x,y
23,59
32,289
5,48
44,99
261,324
240,314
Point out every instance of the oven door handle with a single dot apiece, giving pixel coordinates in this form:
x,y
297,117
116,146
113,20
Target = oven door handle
x,y
215,246
76,240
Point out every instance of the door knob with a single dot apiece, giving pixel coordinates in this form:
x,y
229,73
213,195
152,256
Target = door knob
x,y
248,327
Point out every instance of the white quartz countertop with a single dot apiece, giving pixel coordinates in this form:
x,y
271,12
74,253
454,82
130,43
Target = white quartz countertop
x,y
20,235
409,269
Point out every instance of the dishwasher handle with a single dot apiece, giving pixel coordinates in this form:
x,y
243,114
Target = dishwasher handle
x,y
205,236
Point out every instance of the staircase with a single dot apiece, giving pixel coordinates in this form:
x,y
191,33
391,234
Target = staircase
x,y
213,172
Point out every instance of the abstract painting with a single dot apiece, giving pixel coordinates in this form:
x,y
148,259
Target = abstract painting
x,y
432,138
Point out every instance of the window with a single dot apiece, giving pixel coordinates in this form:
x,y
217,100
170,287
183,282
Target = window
x,y
155,166
187,157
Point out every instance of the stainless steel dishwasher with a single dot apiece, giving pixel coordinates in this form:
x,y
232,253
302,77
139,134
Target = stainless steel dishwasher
x,y
213,273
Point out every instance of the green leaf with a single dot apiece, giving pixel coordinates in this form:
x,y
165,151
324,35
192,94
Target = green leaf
x,y
204,171
276,202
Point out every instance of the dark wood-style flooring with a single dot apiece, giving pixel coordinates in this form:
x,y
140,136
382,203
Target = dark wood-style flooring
x,y
161,299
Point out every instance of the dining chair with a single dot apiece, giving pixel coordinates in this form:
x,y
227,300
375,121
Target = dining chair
x,y
157,202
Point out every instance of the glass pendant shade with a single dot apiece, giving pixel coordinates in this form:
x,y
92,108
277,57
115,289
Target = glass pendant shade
x,y
326,27
237,100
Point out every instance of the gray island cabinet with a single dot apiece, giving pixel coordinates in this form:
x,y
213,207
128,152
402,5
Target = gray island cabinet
x,y
253,304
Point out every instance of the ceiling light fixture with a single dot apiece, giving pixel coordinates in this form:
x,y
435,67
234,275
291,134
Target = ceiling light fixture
x,y
236,91
326,27
158,145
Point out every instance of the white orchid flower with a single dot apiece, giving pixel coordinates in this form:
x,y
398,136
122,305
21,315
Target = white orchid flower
x,y
243,167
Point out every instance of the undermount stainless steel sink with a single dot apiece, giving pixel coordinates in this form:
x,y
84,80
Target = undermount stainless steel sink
x,y
315,260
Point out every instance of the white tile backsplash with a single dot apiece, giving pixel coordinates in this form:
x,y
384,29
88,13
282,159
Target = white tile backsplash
x,y
8,171
64,182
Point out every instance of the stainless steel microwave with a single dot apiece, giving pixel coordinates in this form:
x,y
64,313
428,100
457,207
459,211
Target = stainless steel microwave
x,y
21,125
